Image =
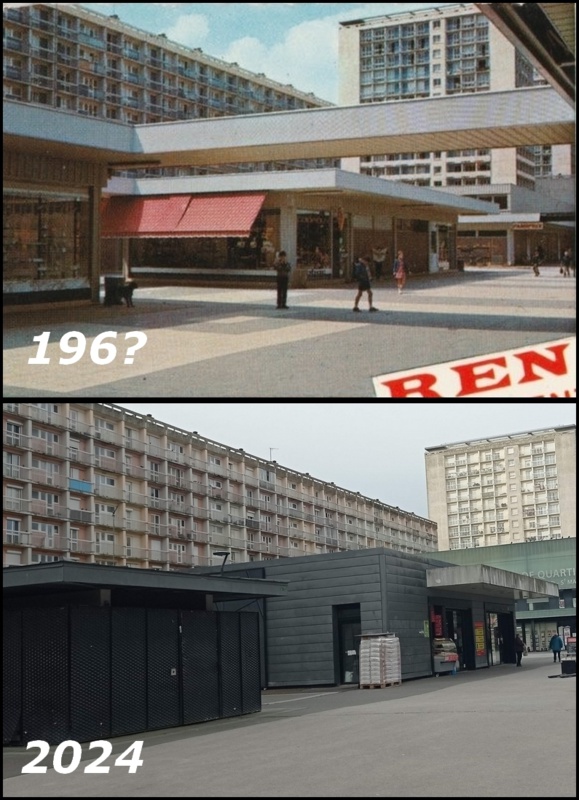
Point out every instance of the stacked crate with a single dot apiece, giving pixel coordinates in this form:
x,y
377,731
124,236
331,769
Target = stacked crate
x,y
379,661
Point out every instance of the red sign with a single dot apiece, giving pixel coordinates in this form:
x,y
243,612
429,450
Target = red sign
x,y
479,638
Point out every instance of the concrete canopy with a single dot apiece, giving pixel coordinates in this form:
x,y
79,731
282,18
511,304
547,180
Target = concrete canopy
x,y
317,188
530,116
480,579
65,576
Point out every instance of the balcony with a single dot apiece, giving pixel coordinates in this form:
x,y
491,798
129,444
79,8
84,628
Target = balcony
x,y
80,515
130,442
102,490
156,529
135,471
43,509
134,524
16,439
13,471
79,546
16,504
49,417
135,553
105,462
104,435
47,448
80,456
48,478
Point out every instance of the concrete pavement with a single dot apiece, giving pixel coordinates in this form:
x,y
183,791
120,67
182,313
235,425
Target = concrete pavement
x,y
223,342
501,732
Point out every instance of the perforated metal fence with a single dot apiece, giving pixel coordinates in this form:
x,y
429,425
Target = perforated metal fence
x,y
87,673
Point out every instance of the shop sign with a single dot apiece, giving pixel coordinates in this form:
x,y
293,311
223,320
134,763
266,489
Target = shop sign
x,y
479,638
541,370
563,577
527,226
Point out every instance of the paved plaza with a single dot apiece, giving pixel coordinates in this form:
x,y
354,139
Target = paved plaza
x,y
501,732
233,342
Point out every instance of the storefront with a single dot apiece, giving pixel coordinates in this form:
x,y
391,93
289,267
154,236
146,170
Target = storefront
x,y
50,250
311,636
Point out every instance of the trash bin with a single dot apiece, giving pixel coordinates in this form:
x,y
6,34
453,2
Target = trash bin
x,y
113,285
299,278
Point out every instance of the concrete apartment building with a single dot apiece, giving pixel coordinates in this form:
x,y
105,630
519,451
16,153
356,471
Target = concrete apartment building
x,y
96,483
506,489
84,62
446,51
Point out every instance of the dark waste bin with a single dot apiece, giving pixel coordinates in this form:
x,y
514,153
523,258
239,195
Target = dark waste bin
x,y
460,265
113,287
568,666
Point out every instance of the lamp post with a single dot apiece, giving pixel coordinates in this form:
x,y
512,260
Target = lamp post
x,y
223,553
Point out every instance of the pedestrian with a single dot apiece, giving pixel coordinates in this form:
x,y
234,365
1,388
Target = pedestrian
x,y
520,648
566,264
379,256
283,269
400,271
364,277
537,260
556,645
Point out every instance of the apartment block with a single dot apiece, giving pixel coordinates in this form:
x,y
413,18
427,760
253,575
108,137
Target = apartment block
x,y
435,53
506,489
97,483
83,62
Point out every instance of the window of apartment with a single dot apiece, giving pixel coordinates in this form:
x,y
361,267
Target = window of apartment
x,y
104,425
105,452
104,480
294,485
214,460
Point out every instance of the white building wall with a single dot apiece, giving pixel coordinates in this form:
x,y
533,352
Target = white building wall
x,y
503,490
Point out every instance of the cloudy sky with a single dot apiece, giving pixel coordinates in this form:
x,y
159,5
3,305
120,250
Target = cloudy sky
x,y
293,43
377,450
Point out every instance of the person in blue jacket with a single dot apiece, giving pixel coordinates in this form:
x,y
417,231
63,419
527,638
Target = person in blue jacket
x,y
556,645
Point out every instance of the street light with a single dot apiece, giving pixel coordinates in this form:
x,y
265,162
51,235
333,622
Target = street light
x,y
223,553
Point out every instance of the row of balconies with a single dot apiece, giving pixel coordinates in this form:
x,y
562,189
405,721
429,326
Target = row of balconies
x,y
112,464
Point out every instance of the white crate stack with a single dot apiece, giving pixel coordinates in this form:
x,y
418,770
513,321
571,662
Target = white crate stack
x,y
379,660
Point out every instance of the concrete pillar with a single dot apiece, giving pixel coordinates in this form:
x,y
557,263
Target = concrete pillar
x,y
510,247
125,257
288,232
94,255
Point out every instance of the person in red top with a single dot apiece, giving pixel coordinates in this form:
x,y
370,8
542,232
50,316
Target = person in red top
x,y
400,271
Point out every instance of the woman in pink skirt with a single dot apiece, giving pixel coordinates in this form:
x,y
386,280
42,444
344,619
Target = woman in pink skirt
x,y
400,271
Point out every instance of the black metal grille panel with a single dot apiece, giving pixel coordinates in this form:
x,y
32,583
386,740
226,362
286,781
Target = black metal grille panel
x,y
90,656
200,666
250,677
163,657
128,671
45,707
230,662
11,636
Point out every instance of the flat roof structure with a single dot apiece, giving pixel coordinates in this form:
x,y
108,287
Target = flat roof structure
x,y
404,200
530,116
63,576
496,439
482,580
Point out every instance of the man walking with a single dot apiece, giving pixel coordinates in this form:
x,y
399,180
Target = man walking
x,y
363,275
379,256
556,645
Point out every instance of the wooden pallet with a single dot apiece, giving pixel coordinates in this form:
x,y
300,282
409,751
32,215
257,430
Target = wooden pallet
x,y
380,685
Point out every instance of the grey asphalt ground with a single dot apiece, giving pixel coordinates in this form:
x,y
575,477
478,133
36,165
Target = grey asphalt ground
x,y
500,732
226,342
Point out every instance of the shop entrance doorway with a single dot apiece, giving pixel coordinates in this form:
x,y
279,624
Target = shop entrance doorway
x,y
347,630
501,638
459,629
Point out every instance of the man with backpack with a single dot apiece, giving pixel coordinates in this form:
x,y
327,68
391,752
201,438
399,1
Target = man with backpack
x,y
364,277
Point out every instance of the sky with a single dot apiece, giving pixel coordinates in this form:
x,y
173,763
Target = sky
x,y
375,449
294,43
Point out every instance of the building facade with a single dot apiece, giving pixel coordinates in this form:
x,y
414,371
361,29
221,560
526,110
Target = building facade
x,y
78,60
99,484
435,53
540,617
503,490
447,51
